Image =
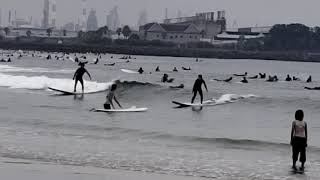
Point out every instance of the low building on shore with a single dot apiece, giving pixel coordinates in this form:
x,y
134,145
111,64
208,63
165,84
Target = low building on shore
x,y
176,33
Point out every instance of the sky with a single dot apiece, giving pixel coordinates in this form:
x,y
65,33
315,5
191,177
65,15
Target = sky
x,y
239,13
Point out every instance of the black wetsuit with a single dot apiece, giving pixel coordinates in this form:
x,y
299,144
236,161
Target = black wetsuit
x,y
197,88
78,77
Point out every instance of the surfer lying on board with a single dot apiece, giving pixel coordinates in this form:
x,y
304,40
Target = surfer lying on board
x,y
111,96
225,80
78,76
197,88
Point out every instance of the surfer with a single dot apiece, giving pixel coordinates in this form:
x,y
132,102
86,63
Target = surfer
x,y
225,80
288,78
186,69
253,77
165,78
309,80
110,97
245,74
78,76
262,76
97,61
140,70
175,69
299,140
295,78
314,88
244,80
181,86
157,69
197,88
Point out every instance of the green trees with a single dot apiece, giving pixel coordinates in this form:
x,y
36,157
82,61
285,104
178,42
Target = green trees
x,y
49,32
28,33
103,31
119,30
126,31
6,31
64,32
290,37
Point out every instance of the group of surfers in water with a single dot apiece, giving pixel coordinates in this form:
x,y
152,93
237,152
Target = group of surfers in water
x,y
197,87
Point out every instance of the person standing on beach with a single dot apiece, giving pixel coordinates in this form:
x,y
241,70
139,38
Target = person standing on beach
x,y
197,87
299,140
78,76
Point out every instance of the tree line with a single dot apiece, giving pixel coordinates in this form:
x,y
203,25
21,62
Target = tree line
x,y
286,37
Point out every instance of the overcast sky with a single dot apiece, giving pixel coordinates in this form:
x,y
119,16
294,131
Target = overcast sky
x,y
241,13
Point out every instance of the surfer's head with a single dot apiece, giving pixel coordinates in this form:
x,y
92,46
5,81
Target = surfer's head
x,y
199,76
113,87
299,115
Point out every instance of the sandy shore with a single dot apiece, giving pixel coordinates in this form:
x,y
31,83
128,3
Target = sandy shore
x,y
15,169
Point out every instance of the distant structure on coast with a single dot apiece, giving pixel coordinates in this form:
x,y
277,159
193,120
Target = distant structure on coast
x,y
176,33
92,22
49,14
209,23
205,25
113,21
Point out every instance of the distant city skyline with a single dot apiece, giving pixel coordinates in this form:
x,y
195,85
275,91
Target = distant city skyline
x,y
240,14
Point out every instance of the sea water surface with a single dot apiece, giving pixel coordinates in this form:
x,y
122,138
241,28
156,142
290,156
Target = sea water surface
x,y
245,137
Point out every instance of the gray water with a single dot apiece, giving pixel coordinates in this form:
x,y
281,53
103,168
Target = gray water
x,y
247,137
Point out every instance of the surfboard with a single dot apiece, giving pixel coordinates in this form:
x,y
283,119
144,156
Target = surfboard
x,y
205,103
129,71
71,93
132,109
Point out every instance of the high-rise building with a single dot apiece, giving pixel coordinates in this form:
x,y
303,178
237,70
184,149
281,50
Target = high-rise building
x,y
84,16
52,13
143,18
113,21
46,11
9,18
92,22
0,17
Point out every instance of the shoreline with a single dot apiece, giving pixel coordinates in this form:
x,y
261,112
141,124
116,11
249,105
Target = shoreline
x,y
165,51
16,169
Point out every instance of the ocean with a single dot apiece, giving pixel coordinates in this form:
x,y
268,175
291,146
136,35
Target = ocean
x,y
246,136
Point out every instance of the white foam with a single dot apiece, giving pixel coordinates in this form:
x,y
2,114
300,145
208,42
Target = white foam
x,y
229,98
7,68
43,82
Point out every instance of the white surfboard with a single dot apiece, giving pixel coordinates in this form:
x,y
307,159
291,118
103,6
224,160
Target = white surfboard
x,y
129,71
71,93
132,109
204,103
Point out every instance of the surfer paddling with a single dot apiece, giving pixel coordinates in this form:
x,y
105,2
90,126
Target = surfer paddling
x,y
299,140
110,97
78,76
197,88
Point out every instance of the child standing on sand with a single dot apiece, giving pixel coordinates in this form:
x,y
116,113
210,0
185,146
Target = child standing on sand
x,y
299,139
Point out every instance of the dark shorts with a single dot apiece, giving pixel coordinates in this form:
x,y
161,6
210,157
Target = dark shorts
x,y
198,90
107,106
299,147
79,79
